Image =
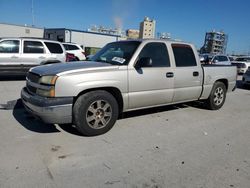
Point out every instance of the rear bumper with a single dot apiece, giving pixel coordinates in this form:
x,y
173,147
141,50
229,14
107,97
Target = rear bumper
x,y
246,79
49,110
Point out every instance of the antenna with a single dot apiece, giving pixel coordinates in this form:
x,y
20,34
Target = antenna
x,y
32,12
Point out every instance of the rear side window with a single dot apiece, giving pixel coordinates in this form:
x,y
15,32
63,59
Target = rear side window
x,y
184,55
54,47
33,47
9,46
70,47
222,58
157,52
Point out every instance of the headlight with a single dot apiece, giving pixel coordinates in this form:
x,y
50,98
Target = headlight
x,y
48,80
48,90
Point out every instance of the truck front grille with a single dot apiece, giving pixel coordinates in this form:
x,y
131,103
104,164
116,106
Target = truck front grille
x,y
31,90
33,77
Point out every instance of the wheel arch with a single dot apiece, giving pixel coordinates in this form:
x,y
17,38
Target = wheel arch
x,y
112,90
224,81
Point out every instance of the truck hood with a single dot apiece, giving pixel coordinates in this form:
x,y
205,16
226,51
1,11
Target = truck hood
x,y
60,68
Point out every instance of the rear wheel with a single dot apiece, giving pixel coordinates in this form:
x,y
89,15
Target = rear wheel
x,y
95,112
217,96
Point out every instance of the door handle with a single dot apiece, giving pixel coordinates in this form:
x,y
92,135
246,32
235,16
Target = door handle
x,y
195,73
41,57
169,74
14,57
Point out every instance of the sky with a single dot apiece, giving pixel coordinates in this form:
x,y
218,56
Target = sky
x,y
187,20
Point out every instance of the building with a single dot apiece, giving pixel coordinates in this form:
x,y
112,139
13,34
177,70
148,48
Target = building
x,y
106,30
84,38
164,35
147,28
215,43
133,33
12,30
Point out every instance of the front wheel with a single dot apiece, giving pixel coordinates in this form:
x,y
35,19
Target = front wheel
x,y
95,112
217,96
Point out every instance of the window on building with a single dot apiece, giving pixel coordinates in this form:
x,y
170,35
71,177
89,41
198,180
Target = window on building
x,y
33,47
50,35
54,47
9,46
157,52
184,55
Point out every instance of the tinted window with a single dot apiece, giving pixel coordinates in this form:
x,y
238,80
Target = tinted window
x,y
184,55
54,47
243,59
33,47
9,46
71,47
157,52
222,58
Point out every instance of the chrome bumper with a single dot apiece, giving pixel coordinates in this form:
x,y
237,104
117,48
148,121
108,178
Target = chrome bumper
x,y
49,110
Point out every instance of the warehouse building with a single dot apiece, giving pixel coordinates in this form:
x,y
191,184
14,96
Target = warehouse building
x,y
92,41
84,38
12,30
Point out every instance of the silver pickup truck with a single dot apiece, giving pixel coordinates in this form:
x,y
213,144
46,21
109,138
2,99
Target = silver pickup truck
x,y
124,76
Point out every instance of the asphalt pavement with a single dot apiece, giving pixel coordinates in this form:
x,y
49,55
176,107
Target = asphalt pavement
x,y
178,146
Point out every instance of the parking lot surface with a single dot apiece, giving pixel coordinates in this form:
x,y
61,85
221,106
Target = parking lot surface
x,y
182,146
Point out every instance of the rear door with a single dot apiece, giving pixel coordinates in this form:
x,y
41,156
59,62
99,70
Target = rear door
x,y
10,57
33,53
188,74
151,85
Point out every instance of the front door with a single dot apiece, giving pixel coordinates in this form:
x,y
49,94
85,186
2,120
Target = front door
x,y
151,80
10,57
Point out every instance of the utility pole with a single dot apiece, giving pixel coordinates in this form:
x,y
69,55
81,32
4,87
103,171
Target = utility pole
x,y
32,12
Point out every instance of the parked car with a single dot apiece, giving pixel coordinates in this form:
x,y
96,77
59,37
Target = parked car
x,y
246,77
124,76
215,59
76,50
242,63
18,55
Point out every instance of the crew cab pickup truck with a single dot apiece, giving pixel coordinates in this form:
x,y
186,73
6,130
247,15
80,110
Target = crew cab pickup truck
x,y
124,76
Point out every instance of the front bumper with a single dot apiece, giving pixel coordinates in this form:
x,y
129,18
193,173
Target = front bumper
x,y
49,110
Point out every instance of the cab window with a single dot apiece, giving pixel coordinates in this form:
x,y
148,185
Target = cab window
x,y
157,52
184,55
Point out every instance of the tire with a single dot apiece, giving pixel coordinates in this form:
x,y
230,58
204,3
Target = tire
x,y
95,112
217,96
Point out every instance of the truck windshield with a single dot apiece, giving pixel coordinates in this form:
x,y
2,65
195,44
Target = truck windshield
x,y
116,53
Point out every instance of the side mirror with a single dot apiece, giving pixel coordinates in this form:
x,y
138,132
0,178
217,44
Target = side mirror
x,y
144,62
